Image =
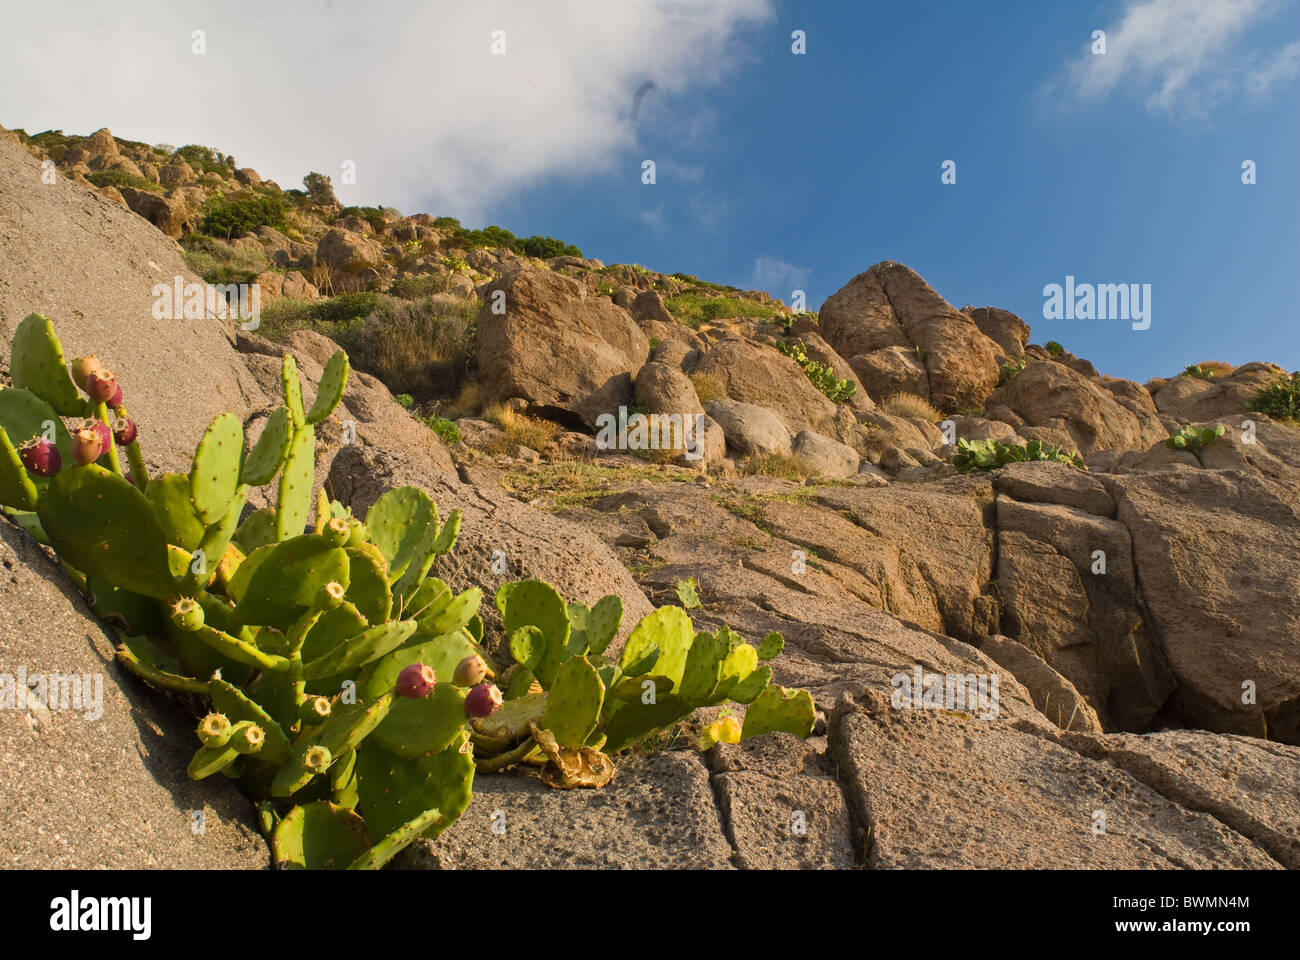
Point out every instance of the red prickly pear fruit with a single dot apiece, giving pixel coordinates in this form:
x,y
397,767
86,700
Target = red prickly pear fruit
x,y
115,401
124,432
83,367
87,442
105,436
101,385
337,531
40,457
416,681
470,671
483,700
186,614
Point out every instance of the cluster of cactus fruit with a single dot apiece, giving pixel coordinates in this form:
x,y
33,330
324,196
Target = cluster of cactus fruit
x,y
346,687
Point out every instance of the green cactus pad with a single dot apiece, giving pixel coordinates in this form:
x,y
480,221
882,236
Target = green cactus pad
x,y
240,651
426,725
269,453
778,708
257,530
37,363
318,836
396,790
510,720
521,681
669,629
228,699
288,579
16,488
214,475
105,528
573,703
442,653
635,721
210,760
536,603
447,534
397,841
503,596
403,524
603,621
703,669
740,663
456,614
688,592
333,381
357,651
293,496
25,415
347,726
170,495
745,690
292,387
368,588
528,647
771,646
633,688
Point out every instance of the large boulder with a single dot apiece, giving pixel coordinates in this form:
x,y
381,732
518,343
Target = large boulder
x,y
1219,575
1003,327
1191,399
166,212
555,344
750,429
758,374
1047,394
827,457
890,307
355,262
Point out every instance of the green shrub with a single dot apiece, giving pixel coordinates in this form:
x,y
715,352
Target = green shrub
x,y
820,375
218,262
118,177
374,216
1054,348
991,454
494,236
419,286
1010,370
404,400
694,309
446,429
1198,371
1280,399
205,159
240,214
1194,439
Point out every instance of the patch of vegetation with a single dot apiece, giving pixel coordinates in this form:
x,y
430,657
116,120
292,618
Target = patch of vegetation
x,y
422,347
1054,348
373,216
905,404
404,400
218,262
694,309
820,375
1198,371
242,213
117,177
520,429
446,429
419,286
1194,439
707,387
535,246
1280,399
578,481
922,353
991,454
206,160
781,465
1012,369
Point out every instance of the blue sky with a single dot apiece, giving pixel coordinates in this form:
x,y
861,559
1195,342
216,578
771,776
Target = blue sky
x,y
773,170
831,161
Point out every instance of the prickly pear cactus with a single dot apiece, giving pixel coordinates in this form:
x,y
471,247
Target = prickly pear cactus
x,y
295,637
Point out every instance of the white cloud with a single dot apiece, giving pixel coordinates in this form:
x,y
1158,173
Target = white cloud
x,y
778,277
1276,71
1177,55
408,90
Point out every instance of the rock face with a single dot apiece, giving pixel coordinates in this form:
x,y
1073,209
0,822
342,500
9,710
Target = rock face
x,y
554,345
758,375
1047,394
1216,550
890,307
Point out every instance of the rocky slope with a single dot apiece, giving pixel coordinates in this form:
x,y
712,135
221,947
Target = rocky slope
x,y
842,524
